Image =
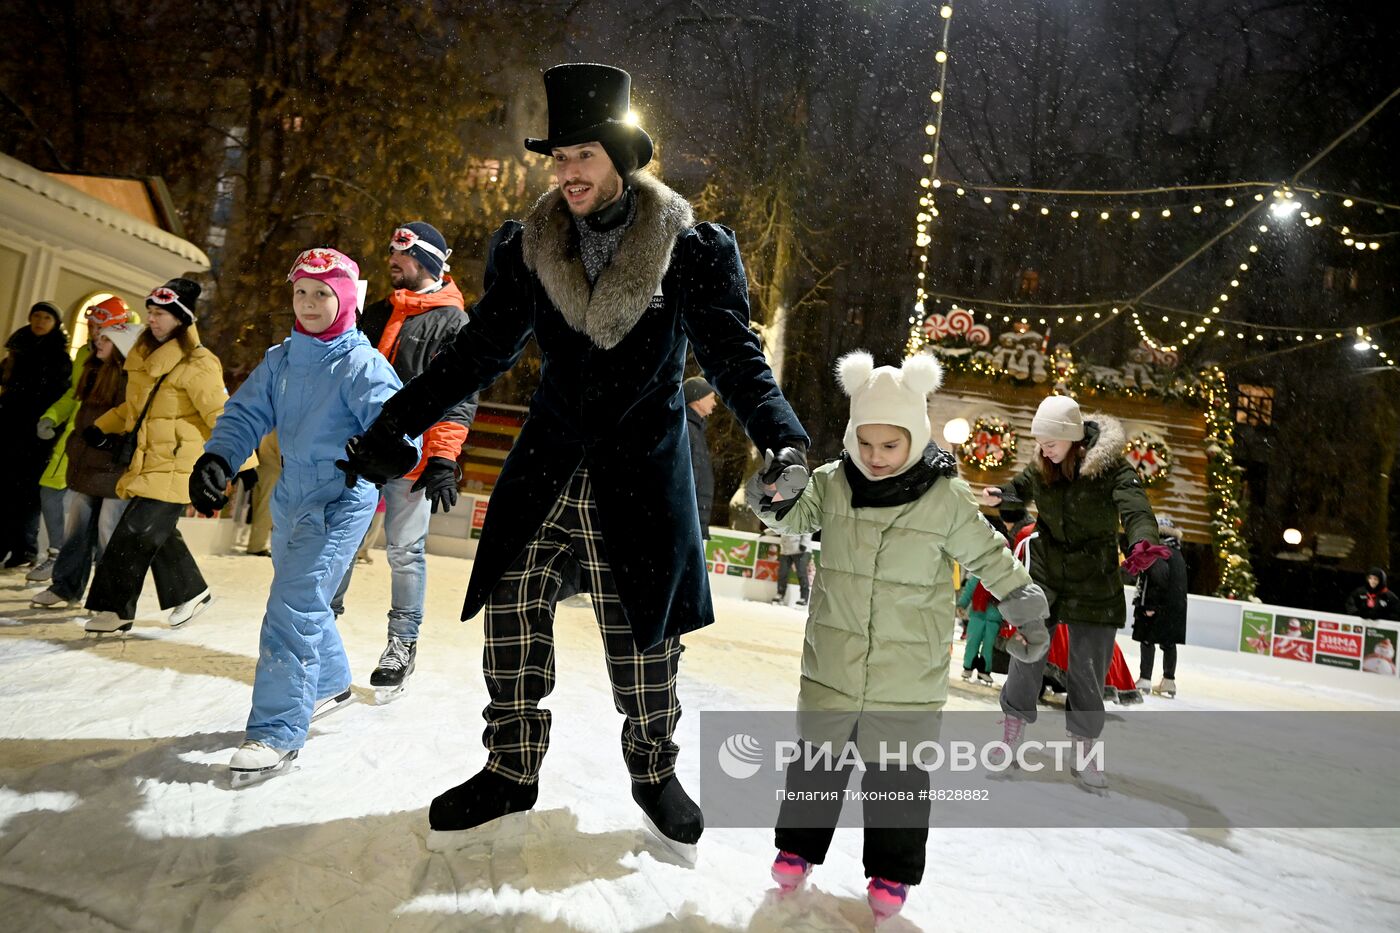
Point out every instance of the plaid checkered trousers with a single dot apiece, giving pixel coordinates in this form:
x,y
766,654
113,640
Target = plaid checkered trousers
x,y
519,650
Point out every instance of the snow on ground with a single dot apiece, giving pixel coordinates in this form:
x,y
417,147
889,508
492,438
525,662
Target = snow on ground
x,y
115,812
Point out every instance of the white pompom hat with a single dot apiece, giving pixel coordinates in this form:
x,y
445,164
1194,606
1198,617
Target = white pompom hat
x,y
1058,419
886,395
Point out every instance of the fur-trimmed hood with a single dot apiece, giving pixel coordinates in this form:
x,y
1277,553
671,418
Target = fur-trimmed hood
x,y
606,311
1104,443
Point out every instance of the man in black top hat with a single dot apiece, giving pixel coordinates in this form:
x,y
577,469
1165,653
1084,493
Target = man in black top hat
x,y
614,278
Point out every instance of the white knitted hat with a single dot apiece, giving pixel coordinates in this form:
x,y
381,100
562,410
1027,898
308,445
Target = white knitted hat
x,y
889,396
1058,419
123,335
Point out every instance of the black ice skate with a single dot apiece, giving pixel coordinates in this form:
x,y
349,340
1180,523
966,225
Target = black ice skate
x,y
484,797
671,816
395,664
254,762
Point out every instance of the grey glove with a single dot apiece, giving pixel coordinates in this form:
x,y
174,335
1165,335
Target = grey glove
x,y
788,484
47,429
790,479
1027,609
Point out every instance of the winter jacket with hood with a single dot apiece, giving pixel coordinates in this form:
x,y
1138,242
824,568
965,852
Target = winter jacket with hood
x,y
881,626
409,328
1378,603
609,399
181,416
1075,557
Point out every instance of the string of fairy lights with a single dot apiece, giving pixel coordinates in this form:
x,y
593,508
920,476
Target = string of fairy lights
x,y
923,219
1192,326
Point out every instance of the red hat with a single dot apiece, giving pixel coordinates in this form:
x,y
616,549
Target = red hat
x,y
107,312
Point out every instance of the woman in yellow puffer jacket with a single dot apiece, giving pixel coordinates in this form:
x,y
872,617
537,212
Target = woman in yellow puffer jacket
x,y
179,386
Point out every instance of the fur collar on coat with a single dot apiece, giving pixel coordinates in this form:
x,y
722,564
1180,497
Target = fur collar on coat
x,y
1106,451
607,311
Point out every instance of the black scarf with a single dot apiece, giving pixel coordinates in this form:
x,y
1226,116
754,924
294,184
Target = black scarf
x,y
935,464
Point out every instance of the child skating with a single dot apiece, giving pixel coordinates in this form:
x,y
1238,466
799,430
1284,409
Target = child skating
x,y
894,518
317,388
983,623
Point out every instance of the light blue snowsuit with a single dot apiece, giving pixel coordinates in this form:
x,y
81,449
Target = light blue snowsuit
x,y
317,394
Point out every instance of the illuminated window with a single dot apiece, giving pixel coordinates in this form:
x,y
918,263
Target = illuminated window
x,y
1255,405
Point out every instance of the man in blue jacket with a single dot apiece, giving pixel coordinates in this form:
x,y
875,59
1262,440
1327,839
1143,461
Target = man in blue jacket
x,y
614,278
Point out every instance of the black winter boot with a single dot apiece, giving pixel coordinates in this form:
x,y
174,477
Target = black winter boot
x,y
671,811
484,797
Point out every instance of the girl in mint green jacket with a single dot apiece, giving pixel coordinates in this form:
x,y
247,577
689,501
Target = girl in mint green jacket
x,y
894,518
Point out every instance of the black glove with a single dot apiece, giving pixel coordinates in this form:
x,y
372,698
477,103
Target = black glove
x,y
99,439
439,483
209,484
380,454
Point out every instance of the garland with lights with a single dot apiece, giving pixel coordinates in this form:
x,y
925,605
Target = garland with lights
x,y
991,445
1150,456
1223,491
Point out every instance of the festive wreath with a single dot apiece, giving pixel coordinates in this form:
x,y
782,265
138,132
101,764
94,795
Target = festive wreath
x,y
1150,456
991,445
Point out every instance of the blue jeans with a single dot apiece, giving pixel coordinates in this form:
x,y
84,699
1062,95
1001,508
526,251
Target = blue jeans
x,y
51,506
87,528
406,515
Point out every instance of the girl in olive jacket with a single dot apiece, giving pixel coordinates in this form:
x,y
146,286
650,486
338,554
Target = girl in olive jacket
x,y
1083,488
894,518
179,386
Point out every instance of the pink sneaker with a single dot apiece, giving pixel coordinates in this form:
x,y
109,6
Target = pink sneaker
x,y
886,898
1012,729
790,871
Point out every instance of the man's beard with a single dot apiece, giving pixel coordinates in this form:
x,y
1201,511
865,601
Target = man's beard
x,y
602,197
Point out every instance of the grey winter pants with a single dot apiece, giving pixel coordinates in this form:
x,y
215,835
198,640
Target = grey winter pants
x,y
1090,651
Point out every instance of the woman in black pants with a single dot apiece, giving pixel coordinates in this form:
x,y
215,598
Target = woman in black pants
x,y
175,391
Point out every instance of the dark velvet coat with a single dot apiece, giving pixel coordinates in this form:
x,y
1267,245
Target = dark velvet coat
x,y
609,399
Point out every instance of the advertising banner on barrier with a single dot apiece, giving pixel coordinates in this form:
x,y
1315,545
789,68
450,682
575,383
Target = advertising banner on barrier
x,y
1338,644
1379,646
1256,632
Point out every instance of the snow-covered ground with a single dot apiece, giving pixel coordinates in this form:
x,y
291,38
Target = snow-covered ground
x,y
115,811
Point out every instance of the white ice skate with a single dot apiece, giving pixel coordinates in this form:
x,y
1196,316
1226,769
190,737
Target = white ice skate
x,y
330,704
254,762
1166,688
189,609
1144,686
48,599
985,679
1091,778
105,623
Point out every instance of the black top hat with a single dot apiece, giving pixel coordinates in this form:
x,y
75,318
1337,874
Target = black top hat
x,y
590,103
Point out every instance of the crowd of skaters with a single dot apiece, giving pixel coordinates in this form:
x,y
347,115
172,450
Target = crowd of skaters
x,y
367,407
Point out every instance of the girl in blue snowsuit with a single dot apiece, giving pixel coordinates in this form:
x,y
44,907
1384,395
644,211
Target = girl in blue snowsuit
x,y
317,389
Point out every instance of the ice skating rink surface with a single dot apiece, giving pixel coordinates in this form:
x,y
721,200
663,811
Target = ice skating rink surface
x,y
115,811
